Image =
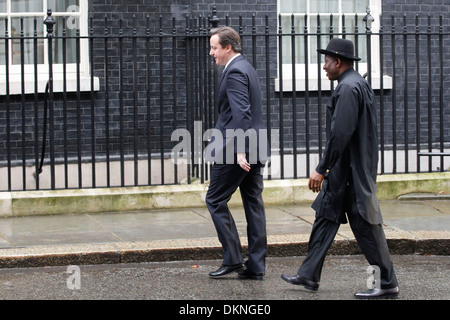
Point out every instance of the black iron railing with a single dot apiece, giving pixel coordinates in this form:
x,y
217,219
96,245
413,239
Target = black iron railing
x,y
116,95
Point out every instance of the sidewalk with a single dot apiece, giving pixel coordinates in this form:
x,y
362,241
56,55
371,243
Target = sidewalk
x,y
413,225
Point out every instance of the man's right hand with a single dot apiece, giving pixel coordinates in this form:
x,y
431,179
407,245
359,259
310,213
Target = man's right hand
x,y
315,181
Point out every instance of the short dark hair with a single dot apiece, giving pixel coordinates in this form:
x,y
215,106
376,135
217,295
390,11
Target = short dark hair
x,y
228,36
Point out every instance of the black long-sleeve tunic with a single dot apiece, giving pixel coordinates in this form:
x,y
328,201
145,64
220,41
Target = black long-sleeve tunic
x,y
350,158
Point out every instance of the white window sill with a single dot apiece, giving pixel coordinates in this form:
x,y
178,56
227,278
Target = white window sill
x,y
15,84
313,84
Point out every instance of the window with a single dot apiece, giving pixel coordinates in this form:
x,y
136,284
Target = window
x,y
25,18
337,17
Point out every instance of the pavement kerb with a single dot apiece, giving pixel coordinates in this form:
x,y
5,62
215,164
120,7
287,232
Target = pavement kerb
x,y
204,249
26,203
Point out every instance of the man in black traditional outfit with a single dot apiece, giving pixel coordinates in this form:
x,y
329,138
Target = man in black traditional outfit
x,y
346,176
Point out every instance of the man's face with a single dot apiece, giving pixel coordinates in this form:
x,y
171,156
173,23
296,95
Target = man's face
x,y
331,68
222,55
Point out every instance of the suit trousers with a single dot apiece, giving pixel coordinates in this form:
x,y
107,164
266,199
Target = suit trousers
x,y
225,179
370,237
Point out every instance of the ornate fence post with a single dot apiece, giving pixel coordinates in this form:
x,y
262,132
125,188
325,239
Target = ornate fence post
x,y
49,23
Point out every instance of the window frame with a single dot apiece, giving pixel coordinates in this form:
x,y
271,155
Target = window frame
x,y
313,69
16,70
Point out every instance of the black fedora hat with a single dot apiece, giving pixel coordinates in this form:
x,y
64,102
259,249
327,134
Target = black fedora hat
x,y
341,48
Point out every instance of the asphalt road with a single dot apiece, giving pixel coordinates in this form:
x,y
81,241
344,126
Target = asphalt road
x,y
420,278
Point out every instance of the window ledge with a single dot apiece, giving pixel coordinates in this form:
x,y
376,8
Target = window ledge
x,y
15,84
313,84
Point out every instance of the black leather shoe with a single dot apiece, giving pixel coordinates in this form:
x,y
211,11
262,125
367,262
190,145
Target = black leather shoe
x,y
378,293
300,281
246,274
224,269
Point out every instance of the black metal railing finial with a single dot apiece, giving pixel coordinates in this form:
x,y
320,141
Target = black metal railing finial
x,y
368,19
214,20
49,23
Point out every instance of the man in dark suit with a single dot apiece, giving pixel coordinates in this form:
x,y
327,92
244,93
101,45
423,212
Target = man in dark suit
x,y
346,176
238,154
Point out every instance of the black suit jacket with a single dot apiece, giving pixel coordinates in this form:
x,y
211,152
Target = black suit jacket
x,y
240,116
